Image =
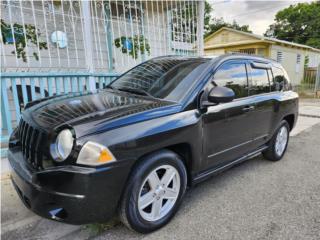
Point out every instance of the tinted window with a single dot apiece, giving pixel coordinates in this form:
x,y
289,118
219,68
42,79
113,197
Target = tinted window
x,y
167,78
259,81
280,80
234,76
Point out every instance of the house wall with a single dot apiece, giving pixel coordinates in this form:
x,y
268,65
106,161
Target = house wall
x,y
225,41
227,37
259,49
314,58
289,62
215,52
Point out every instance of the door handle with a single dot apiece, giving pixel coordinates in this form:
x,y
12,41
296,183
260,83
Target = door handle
x,y
248,108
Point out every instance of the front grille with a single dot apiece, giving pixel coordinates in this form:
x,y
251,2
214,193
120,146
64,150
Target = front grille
x,y
31,140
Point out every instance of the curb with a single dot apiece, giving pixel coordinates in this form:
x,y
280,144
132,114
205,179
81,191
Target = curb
x,y
5,176
309,115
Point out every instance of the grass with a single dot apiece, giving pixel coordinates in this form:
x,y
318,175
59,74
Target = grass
x,y
98,228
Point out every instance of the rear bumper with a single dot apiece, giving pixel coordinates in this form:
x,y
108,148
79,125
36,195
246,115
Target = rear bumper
x,y
71,194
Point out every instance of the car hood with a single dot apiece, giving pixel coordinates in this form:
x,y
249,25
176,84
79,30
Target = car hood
x,y
96,112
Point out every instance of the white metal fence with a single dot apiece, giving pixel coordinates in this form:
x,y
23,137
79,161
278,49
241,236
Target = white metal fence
x,y
100,36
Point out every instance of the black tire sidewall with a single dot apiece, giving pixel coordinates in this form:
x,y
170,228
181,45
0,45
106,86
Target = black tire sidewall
x,y
141,172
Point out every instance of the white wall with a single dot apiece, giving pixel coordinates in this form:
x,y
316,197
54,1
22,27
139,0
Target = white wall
x,y
314,58
289,62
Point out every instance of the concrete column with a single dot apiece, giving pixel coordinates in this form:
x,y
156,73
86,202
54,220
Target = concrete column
x,y
85,7
201,26
109,37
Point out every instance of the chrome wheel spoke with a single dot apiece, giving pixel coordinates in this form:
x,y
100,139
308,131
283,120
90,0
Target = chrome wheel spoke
x,y
146,200
153,180
170,194
156,208
167,177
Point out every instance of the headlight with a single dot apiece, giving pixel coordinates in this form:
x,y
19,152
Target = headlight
x,y
94,154
63,145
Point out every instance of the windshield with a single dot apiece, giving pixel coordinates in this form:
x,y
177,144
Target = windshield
x,y
165,78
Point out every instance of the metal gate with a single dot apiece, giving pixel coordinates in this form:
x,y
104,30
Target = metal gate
x,y
310,84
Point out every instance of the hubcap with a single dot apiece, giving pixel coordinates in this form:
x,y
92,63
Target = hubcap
x,y
281,140
158,193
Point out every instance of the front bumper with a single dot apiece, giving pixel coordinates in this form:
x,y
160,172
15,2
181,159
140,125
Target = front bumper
x,y
71,194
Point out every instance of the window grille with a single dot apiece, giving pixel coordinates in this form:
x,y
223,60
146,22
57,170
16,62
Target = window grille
x,y
123,33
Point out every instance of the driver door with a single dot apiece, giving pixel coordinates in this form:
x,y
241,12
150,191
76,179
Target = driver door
x,y
227,126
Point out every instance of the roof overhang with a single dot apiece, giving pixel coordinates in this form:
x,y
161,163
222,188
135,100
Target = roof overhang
x,y
260,39
238,44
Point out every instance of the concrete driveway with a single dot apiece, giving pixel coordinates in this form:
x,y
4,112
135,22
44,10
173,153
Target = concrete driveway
x,y
255,200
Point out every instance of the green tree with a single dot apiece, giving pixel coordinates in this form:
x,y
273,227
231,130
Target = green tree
x,y
217,23
207,16
212,24
298,23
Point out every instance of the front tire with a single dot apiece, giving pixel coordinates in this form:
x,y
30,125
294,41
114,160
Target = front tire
x,y
278,144
154,192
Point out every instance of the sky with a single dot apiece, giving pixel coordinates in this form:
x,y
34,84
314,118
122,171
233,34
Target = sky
x,y
258,14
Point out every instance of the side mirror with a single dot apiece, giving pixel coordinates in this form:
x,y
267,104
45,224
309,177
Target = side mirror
x,y
220,95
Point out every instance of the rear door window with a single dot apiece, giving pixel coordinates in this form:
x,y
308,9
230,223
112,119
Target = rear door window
x,y
233,75
259,81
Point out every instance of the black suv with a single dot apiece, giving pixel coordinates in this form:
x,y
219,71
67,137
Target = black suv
x,y
134,147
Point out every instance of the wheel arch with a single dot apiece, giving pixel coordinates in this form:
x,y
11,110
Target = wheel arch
x,y
290,118
184,150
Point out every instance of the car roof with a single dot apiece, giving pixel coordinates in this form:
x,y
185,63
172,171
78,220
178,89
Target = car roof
x,y
229,56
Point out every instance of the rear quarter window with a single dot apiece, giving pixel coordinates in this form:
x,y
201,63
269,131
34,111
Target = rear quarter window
x,y
280,81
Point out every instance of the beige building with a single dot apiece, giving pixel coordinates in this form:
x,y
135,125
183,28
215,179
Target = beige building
x,y
292,56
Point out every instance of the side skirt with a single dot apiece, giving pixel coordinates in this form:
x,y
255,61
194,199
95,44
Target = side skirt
x,y
208,173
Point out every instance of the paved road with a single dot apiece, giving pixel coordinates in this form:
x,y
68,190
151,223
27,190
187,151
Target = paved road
x,y
255,200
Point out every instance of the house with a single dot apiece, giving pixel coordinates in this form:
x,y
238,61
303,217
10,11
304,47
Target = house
x,y
113,35
57,47
294,57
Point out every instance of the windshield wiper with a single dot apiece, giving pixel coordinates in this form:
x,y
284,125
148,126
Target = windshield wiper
x,y
109,86
135,91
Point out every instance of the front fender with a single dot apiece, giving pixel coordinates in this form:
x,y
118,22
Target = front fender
x,y
131,142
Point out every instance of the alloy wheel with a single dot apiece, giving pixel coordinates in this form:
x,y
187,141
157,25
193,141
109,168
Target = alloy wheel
x,y
158,193
281,140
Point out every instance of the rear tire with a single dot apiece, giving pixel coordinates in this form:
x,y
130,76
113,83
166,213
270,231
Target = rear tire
x,y
154,192
278,143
